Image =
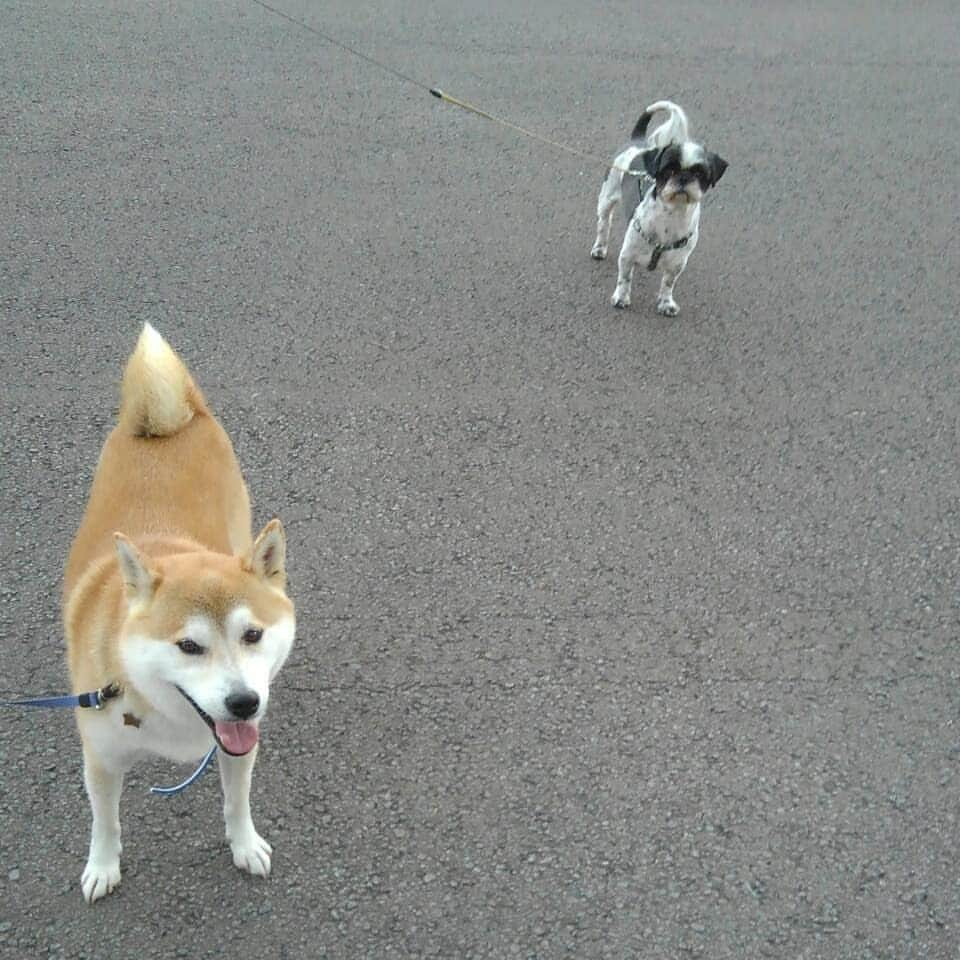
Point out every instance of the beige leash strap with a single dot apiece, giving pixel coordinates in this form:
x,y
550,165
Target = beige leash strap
x,y
440,95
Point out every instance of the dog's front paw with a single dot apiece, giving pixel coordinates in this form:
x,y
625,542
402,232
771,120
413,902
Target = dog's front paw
x,y
252,853
100,877
599,252
620,298
667,308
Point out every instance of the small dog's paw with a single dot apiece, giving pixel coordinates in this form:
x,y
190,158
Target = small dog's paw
x,y
668,308
252,853
620,300
598,252
100,878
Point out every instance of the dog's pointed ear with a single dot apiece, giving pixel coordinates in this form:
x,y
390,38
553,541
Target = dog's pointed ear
x,y
716,165
139,577
268,555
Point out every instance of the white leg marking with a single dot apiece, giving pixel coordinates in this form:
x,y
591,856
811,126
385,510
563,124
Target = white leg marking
x,y
666,305
630,253
250,851
102,872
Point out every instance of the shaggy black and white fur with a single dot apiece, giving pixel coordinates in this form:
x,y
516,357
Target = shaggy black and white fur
x,y
660,178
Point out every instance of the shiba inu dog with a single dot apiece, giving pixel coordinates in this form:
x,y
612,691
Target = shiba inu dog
x,y
168,598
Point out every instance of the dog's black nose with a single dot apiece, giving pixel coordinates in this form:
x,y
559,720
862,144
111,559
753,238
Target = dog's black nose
x,y
243,705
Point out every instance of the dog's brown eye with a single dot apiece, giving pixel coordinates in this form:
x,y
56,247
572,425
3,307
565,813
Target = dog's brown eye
x,y
189,646
252,635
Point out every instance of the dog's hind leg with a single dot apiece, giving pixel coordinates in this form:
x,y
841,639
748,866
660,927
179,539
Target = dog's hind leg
x,y
610,193
250,851
102,872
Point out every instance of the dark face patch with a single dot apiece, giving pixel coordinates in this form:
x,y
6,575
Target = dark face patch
x,y
667,163
709,170
701,174
663,164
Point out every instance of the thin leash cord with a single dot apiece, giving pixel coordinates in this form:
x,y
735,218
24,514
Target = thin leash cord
x,y
339,43
514,126
180,787
446,97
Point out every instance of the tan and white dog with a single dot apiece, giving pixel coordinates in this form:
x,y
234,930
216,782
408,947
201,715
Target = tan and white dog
x,y
181,608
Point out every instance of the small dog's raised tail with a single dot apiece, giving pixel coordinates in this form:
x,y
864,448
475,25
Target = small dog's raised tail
x,y
675,129
158,396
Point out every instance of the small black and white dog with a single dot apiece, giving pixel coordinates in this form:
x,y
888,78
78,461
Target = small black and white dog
x,y
661,178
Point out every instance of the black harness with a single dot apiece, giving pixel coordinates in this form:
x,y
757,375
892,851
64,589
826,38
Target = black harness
x,y
659,249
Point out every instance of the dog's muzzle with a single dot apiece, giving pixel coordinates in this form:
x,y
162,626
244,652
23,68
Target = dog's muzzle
x,y
236,738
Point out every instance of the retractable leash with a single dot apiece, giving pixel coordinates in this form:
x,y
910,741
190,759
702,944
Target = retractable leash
x,y
435,91
98,699
593,158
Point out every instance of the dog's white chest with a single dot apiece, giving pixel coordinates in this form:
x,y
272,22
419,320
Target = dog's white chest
x,y
182,743
127,733
659,227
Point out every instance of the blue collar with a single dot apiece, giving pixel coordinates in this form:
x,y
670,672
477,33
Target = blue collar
x,y
98,700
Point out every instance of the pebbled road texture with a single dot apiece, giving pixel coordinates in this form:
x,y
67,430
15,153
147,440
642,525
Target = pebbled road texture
x,y
619,636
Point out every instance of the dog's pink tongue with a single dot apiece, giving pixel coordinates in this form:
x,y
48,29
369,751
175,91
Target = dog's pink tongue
x,y
237,738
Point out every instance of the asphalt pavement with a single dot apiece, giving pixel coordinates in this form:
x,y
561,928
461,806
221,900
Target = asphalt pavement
x,y
619,635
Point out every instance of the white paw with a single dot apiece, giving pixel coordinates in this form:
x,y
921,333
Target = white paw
x,y
620,299
252,853
100,877
668,308
599,252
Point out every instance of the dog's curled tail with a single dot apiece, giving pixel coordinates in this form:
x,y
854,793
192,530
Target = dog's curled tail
x,y
675,129
158,396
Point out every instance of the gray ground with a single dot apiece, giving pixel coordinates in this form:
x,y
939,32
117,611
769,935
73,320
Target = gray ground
x,y
619,636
